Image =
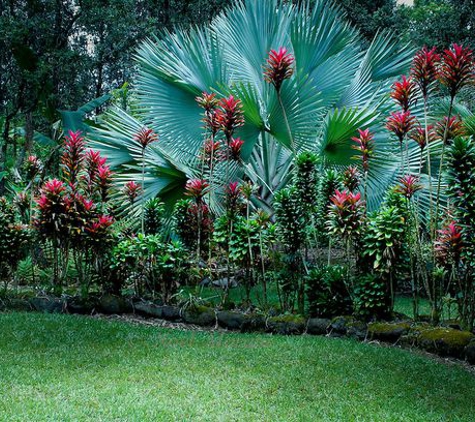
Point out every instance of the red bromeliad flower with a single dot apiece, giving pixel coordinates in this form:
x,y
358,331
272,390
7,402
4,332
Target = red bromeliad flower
x,y
346,213
131,190
454,127
351,178
196,188
73,156
400,123
404,93
278,67
365,146
457,68
233,196
211,151
449,244
235,147
100,226
419,135
424,68
229,116
53,209
409,185
145,137
93,161
207,101
104,181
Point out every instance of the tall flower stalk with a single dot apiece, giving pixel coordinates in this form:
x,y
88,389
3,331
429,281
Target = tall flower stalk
x,y
144,137
456,70
278,68
365,146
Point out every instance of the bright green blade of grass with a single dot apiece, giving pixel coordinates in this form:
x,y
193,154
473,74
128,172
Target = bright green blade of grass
x,y
71,368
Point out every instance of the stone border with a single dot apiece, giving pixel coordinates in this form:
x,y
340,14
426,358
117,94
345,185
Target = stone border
x,y
442,341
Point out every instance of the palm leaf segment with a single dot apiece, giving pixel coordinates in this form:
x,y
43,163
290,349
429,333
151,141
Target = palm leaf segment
x,y
336,89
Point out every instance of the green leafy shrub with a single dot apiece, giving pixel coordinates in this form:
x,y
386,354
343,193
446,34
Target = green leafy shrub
x,y
370,298
153,215
327,292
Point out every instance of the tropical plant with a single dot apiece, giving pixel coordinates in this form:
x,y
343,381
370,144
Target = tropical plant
x,y
321,91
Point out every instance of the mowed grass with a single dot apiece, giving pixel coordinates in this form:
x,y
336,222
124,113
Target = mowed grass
x,y
72,368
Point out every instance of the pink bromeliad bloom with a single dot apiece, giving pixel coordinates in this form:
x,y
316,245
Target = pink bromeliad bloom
x,y
404,93
131,190
409,185
196,188
145,137
235,147
400,123
279,67
364,145
457,68
424,68
229,115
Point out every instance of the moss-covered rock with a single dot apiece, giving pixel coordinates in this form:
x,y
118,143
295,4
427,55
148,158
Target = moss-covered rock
x,y
17,304
286,324
356,329
254,322
47,304
387,331
82,306
148,309
318,326
231,320
110,304
199,315
444,341
340,324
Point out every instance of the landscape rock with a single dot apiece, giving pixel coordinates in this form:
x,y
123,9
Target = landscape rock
x,y
170,313
148,309
387,331
79,305
254,323
231,320
19,305
339,325
318,326
357,329
199,315
110,304
50,305
286,324
444,341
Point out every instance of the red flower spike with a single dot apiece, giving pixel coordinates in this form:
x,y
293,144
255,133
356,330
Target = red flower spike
x,y
73,156
457,68
449,244
351,178
145,137
104,181
455,128
196,188
235,147
131,190
401,123
409,185
404,93
229,116
364,145
211,150
424,68
419,135
207,101
33,166
278,67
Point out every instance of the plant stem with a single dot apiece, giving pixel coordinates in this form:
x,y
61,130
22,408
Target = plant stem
x,y
142,217
287,124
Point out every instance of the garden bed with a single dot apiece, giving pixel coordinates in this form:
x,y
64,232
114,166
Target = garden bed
x,y
444,341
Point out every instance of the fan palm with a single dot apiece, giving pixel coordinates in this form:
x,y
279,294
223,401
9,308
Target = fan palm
x,y
335,89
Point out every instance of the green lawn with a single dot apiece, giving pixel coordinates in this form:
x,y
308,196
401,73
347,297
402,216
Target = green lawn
x,y
72,368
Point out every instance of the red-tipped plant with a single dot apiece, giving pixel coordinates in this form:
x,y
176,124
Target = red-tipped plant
x,y
401,123
409,185
449,244
145,137
351,178
404,93
365,146
448,129
209,103
230,116
279,67
420,136
104,182
424,69
235,147
92,161
457,68
131,191
196,188
73,157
